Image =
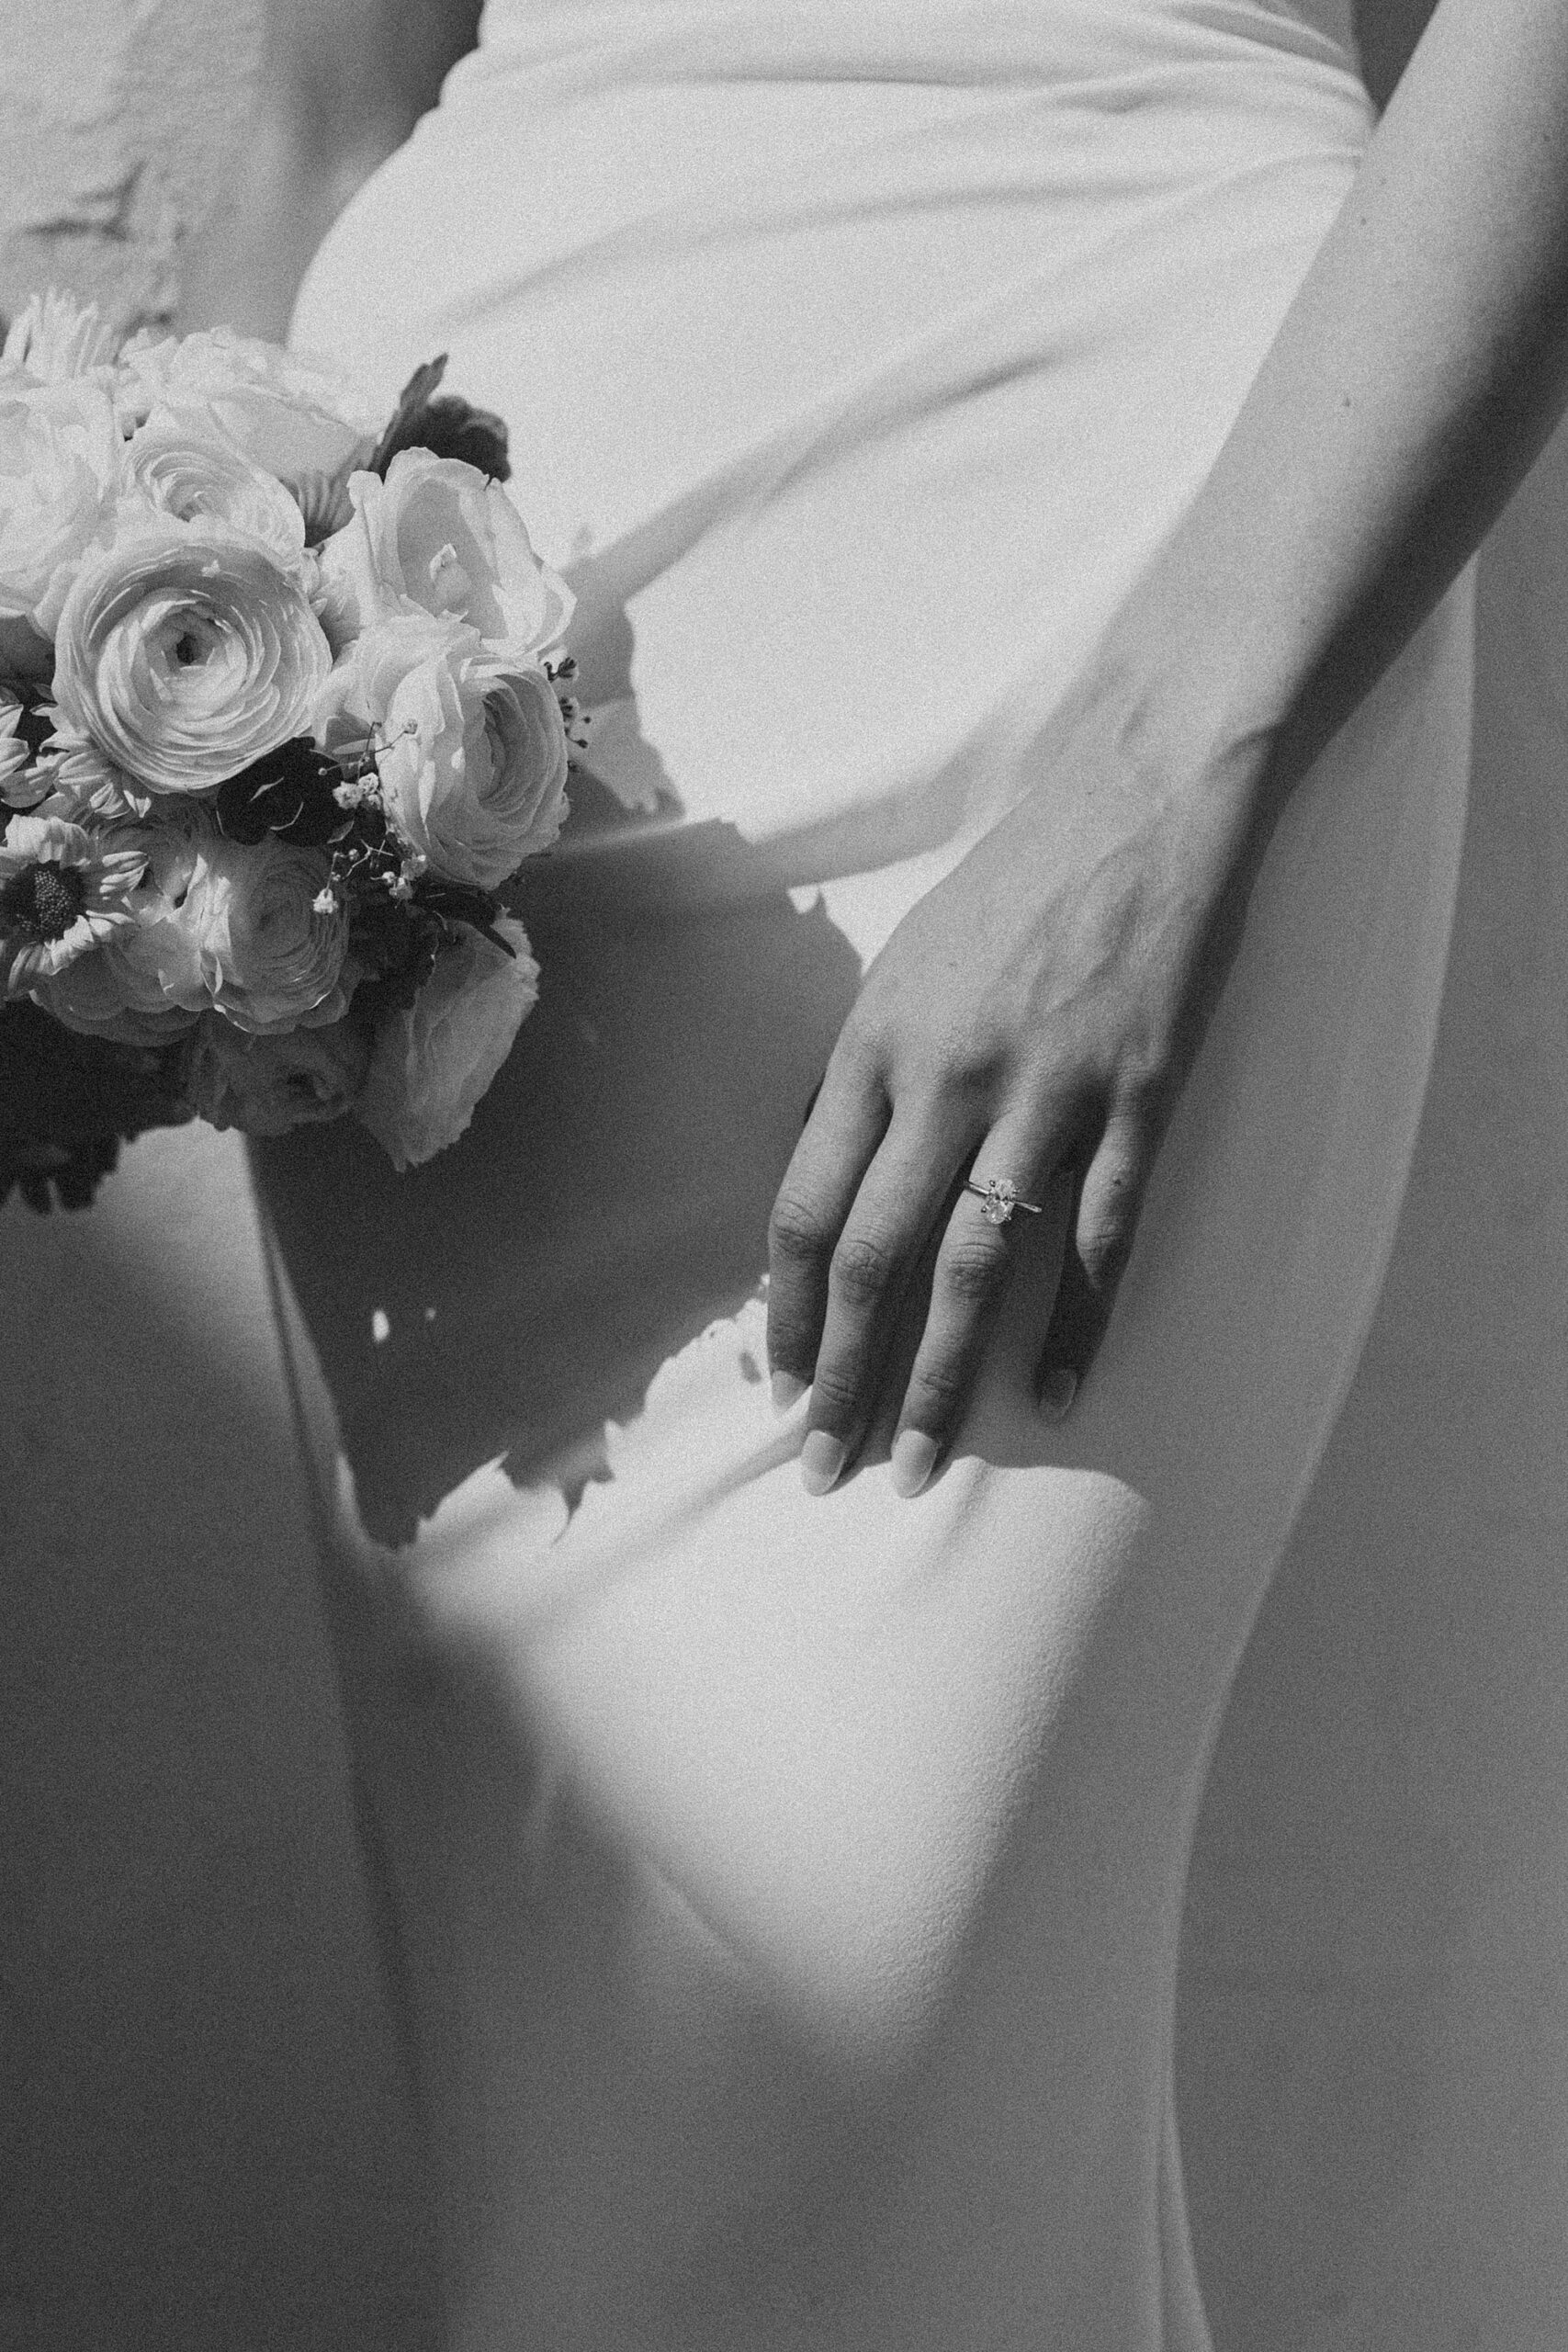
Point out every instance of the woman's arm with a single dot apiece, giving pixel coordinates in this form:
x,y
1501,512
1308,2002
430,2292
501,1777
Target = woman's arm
x,y
1416,376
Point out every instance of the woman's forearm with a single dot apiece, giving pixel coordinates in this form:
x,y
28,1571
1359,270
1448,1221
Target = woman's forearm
x,y
1422,365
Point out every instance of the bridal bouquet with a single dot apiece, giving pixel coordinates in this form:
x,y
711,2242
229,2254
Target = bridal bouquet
x,y
280,715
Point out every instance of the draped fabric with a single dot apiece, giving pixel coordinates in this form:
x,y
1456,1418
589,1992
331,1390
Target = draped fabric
x,y
786,1892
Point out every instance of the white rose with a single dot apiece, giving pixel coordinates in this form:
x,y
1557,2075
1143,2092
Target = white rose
x,y
265,1085
183,653
440,534
182,463
298,420
54,337
60,475
472,754
432,1063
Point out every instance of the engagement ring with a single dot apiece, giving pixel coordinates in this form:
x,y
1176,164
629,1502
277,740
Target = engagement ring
x,y
998,1198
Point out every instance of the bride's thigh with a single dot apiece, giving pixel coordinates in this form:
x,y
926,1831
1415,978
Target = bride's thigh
x,y
833,1724
812,1867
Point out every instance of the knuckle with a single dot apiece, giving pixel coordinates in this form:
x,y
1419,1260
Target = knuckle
x,y
796,1229
975,1271
1146,1092
835,1395
1106,1249
936,1392
861,1269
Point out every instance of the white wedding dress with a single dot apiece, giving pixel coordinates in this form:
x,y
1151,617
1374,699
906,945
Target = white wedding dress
x,y
783,1893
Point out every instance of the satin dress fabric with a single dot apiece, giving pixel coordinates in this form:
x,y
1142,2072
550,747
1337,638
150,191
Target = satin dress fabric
x,y
782,1894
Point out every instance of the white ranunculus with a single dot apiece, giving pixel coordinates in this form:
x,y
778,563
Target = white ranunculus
x,y
54,337
471,753
265,1085
269,958
431,1064
154,968
59,476
183,653
439,533
183,464
295,420
213,925
87,997
13,752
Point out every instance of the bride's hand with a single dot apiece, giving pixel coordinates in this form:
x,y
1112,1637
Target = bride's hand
x,y
1036,1012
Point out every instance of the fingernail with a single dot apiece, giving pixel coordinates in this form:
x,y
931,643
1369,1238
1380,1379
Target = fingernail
x,y
787,1391
821,1459
1057,1392
914,1458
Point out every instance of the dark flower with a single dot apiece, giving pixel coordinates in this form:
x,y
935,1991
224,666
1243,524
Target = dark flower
x,y
36,719
449,427
288,792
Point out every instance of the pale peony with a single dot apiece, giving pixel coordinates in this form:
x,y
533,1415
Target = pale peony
x,y
265,1085
441,535
59,477
471,753
62,891
183,464
432,1064
183,653
54,337
300,422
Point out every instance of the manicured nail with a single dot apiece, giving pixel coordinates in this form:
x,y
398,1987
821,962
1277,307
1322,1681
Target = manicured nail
x,y
821,1459
914,1458
787,1391
1057,1392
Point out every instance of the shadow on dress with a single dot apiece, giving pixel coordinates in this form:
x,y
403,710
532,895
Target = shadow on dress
x,y
611,1199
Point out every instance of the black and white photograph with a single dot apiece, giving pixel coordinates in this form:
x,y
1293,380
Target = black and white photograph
x,y
783,1175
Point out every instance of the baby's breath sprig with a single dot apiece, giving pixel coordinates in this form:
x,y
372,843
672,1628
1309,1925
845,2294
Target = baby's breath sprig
x,y
561,674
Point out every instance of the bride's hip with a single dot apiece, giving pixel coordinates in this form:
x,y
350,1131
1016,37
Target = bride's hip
x,y
610,1203
656,252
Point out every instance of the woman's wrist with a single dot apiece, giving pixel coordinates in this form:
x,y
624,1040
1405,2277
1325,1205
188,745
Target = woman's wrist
x,y
1189,710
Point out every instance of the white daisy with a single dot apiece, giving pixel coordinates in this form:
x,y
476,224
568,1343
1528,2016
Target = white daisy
x,y
62,892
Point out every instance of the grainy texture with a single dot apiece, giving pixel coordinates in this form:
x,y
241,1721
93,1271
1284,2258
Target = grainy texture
x,y
204,2138
118,120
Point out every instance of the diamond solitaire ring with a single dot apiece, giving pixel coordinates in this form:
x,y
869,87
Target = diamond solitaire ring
x,y
998,1198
